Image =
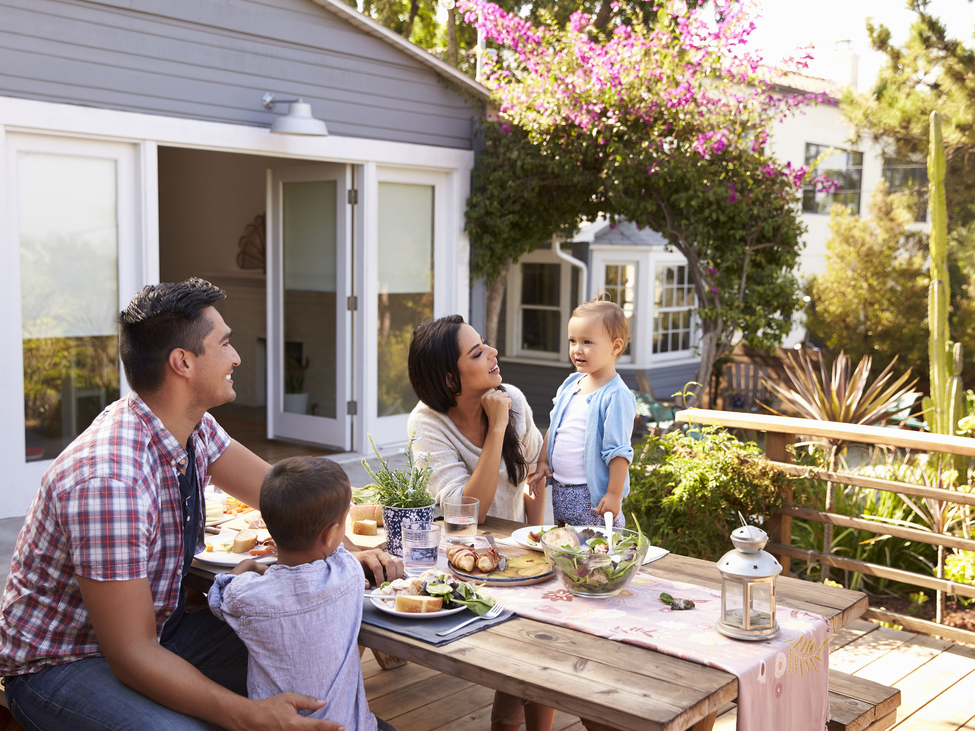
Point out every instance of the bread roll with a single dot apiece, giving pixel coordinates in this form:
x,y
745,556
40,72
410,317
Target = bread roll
x,y
245,540
367,512
461,557
364,527
417,604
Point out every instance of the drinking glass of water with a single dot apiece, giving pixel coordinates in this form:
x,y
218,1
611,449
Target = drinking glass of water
x,y
420,546
460,519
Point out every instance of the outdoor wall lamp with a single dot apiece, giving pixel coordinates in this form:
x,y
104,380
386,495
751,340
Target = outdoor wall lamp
x,y
298,120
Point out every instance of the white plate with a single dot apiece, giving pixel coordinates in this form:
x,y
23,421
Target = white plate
x,y
222,558
225,558
383,607
520,536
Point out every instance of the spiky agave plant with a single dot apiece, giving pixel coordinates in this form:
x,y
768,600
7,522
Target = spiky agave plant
x,y
849,398
842,396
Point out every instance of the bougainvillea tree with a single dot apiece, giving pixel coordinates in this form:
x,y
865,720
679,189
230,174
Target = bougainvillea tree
x,y
668,121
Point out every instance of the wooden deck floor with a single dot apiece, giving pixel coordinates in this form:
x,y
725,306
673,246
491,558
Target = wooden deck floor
x,y
936,679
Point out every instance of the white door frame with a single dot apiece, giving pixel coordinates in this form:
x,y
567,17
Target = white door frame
x,y
132,276
392,429
335,432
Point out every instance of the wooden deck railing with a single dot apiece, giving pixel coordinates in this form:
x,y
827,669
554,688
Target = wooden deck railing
x,y
782,431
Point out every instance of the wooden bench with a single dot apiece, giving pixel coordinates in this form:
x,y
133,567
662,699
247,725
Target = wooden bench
x,y
857,704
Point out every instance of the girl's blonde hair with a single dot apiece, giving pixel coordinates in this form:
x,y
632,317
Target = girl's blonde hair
x,y
610,315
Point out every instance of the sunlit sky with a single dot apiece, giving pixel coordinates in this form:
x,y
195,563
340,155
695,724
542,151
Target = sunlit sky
x,y
786,24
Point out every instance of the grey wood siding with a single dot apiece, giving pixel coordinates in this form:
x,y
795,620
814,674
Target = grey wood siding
x,y
539,383
214,59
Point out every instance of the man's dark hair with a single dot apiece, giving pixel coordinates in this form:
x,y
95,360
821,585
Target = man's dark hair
x,y
160,318
301,497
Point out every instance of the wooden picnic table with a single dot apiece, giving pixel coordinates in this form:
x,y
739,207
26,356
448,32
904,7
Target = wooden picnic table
x,y
609,685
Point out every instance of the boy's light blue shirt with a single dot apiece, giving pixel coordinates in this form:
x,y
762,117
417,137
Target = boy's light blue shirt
x,y
301,627
609,428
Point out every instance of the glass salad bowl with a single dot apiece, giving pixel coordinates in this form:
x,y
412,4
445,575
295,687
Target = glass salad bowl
x,y
580,558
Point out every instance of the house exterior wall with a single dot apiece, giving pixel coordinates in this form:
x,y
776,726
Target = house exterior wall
x,y
209,60
823,124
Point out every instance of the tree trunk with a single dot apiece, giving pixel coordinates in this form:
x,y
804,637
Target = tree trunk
x,y
408,28
452,37
495,296
603,15
712,348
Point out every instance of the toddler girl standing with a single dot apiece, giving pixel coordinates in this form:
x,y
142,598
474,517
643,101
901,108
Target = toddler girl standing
x,y
587,449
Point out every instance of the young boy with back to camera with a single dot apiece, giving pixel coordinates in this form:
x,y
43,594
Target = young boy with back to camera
x,y
587,450
300,618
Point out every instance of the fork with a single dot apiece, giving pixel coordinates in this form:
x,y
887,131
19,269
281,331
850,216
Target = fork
x,y
491,613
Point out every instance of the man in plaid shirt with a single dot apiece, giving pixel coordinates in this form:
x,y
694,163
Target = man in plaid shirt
x,y
94,628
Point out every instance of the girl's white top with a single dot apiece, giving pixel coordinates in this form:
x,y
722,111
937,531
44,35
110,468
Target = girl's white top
x,y
569,455
455,457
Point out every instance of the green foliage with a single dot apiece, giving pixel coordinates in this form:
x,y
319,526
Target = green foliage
x,y
931,71
402,488
960,568
521,198
686,490
868,300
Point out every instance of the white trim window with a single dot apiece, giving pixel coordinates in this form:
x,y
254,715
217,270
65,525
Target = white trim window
x,y
673,310
538,307
619,280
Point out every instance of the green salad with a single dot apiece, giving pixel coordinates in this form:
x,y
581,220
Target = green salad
x,y
581,558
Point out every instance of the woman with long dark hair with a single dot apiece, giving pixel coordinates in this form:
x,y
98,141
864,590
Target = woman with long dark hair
x,y
482,438
479,432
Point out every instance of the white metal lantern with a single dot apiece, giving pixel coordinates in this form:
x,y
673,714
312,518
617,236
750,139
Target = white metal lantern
x,y
748,587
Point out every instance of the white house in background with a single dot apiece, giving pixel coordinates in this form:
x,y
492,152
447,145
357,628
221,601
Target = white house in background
x,y
134,148
651,283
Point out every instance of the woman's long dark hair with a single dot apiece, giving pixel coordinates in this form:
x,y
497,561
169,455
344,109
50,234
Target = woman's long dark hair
x,y
435,377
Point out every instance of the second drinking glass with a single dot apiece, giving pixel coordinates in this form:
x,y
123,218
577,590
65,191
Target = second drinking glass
x,y
460,519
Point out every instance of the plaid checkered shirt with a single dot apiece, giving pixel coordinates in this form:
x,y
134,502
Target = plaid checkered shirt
x,y
109,509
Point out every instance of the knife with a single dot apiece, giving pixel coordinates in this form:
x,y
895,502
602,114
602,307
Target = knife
x,y
502,559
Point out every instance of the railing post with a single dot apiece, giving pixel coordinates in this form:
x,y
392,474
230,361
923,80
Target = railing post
x,y
780,526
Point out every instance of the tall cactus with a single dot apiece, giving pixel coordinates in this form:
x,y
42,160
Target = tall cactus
x,y
944,407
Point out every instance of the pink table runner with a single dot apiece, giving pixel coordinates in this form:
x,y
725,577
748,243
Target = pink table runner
x,y
782,683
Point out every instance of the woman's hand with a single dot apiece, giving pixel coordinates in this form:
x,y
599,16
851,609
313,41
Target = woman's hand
x,y
496,405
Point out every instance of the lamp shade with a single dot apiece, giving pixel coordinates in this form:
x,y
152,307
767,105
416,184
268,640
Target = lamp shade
x,y
298,121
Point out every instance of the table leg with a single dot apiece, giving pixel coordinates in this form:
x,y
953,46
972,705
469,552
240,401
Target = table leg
x,y
705,724
388,662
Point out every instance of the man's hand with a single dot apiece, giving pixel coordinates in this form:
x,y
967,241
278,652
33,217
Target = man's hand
x,y
536,482
280,713
379,565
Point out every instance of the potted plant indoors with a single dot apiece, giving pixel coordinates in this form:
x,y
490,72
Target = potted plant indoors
x,y
403,495
295,396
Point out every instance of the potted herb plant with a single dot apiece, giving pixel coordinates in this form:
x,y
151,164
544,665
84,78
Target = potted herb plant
x,y
403,495
295,396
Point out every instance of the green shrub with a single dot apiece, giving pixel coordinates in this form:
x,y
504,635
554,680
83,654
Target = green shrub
x,y
686,490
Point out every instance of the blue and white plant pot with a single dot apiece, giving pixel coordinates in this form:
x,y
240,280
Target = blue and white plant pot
x,y
395,519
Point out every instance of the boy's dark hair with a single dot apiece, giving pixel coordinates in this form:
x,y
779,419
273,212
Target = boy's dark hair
x,y
435,377
160,318
301,497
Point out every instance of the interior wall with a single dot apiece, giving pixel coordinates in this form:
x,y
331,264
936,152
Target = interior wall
x,y
206,200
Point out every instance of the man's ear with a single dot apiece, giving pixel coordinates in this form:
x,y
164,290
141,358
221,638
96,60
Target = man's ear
x,y
180,362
